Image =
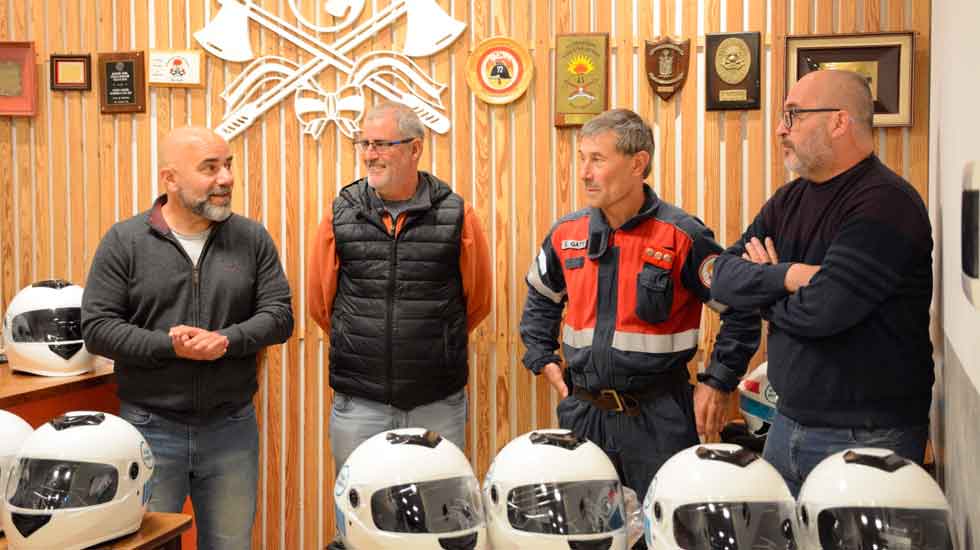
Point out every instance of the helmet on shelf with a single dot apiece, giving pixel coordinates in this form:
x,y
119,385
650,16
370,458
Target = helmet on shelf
x,y
80,479
42,330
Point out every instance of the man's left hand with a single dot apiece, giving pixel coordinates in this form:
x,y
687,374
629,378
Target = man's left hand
x,y
757,252
709,409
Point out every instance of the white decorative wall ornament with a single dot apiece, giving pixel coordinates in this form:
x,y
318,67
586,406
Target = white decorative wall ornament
x,y
269,79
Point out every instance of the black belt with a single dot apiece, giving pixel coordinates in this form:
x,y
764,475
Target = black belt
x,y
628,403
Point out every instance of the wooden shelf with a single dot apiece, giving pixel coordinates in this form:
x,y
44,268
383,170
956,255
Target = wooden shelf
x,y
158,530
17,388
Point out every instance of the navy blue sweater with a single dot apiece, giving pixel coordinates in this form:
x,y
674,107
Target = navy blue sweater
x,y
852,348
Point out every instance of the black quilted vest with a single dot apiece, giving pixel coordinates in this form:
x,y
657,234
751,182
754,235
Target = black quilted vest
x,y
398,333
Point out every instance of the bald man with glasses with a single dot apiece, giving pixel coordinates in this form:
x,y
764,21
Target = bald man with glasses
x,y
839,261
399,275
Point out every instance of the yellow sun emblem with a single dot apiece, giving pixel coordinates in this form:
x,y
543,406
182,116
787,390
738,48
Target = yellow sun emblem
x,y
580,65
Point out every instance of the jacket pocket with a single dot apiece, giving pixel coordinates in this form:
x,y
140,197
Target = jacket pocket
x,y
654,294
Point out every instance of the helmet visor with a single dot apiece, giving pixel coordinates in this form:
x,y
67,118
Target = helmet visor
x,y
570,508
735,526
440,506
44,484
47,325
885,529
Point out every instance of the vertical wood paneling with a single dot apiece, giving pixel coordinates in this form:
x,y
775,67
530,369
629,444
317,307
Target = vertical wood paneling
x,y
8,256
62,171
895,137
668,110
733,149
75,156
524,246
544,172
918,160
56,29
29,240
688,199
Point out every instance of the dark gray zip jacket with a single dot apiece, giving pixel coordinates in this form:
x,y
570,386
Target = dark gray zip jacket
x,y
142,283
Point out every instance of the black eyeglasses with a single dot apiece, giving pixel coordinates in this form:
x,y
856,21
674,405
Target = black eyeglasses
x,y
380,145
788,114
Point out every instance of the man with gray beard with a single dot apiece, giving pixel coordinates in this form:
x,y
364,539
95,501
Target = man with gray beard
x,y
839,261
183,297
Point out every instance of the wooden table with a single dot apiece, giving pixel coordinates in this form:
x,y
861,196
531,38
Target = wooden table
x,y
158,531
18,387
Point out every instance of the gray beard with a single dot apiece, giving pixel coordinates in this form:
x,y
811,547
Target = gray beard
x,y
207,210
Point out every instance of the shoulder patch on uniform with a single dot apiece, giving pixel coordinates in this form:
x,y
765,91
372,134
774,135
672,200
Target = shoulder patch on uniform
x,y
707,269
574,245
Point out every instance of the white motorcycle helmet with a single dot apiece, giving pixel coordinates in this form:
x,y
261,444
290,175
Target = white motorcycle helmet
x,y
873,498
409,489
718,496
757,400
550,490
80,479
13,431
42,330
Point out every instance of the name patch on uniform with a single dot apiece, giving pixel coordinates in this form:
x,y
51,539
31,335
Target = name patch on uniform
x,y
574,245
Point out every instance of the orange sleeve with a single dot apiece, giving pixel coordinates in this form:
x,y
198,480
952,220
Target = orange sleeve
x,y
323,272
474,264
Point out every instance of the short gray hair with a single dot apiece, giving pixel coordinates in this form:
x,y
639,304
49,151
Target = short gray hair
x,y
857,93
409,123
632,133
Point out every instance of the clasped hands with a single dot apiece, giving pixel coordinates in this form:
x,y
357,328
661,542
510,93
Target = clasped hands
x,y
198,344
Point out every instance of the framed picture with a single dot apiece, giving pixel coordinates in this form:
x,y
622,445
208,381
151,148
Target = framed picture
x,y
18,83
884,59
71,72
581,77
176,68
732,71
499,70
123,82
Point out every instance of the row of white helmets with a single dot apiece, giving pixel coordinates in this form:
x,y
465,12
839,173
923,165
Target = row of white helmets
x,y
42,330
548,489
79,479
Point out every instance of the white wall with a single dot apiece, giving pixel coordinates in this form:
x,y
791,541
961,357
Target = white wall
x,y
955,107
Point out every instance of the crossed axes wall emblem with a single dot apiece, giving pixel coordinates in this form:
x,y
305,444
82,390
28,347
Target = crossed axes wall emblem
x,y
268,80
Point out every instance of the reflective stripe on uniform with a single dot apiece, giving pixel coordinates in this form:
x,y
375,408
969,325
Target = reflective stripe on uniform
x,y
634,341
536,283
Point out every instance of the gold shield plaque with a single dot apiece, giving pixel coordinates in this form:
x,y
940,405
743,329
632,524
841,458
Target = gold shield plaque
x,y
667,65
733,71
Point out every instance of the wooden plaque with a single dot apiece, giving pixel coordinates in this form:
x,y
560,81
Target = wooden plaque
x,y
581,77
122,76
733,79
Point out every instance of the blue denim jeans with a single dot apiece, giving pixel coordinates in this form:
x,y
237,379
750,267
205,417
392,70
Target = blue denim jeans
x,y
795,450
354,420
216,464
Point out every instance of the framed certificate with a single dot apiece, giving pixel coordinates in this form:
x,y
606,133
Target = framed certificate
x,y
581,77
71,72
176,68
18,85
884,59
123,82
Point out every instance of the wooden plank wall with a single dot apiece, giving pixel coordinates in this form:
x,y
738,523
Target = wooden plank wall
x,y
67,174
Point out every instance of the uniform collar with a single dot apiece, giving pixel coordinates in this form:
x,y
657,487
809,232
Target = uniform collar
x,y
599,231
